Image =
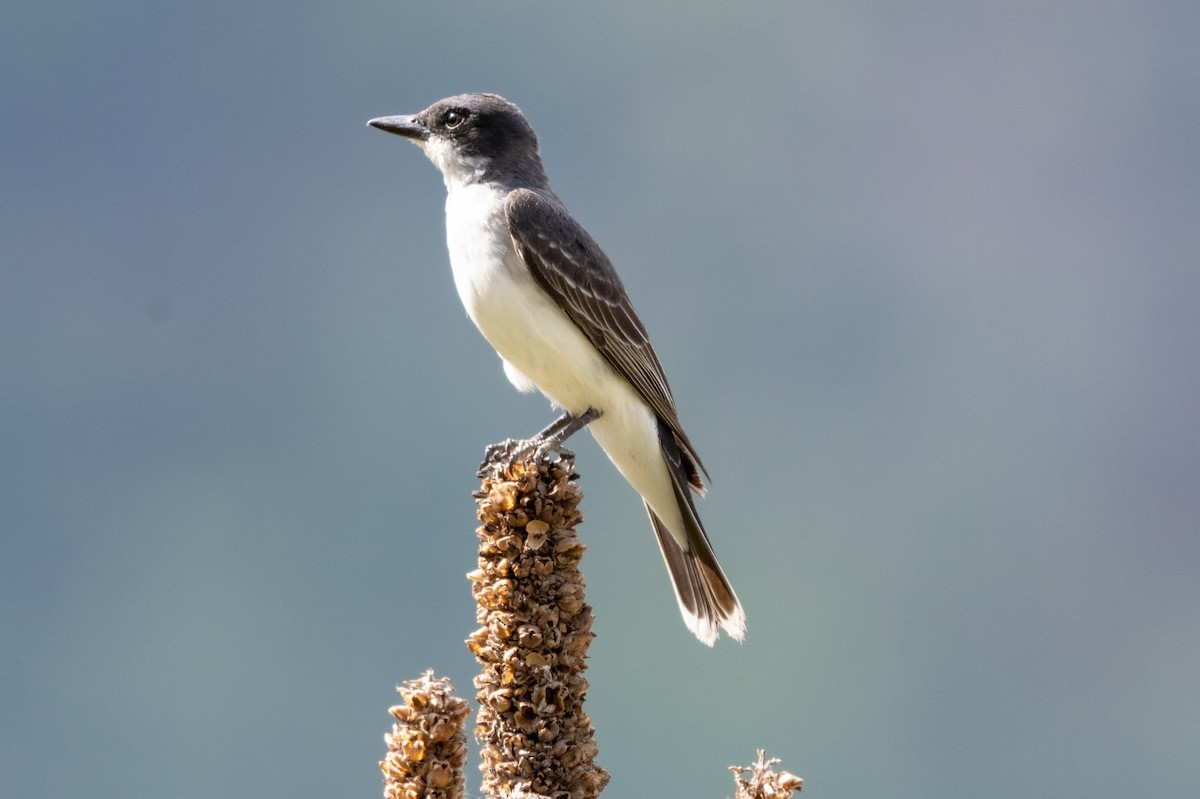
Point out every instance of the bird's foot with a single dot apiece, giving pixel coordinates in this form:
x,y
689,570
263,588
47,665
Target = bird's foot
x,y
515,450
549,440
501,452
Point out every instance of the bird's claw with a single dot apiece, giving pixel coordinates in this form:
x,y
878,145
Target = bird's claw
x,y
497,453
512,450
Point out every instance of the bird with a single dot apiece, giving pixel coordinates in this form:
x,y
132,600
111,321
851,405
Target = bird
x,y
549,301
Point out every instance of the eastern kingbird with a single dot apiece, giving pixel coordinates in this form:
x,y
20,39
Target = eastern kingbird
x,y
547,298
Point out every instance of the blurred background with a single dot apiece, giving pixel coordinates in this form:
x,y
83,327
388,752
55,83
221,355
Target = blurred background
x,y
925,279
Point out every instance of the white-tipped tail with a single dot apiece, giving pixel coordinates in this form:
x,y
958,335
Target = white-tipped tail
x,y
705,596
706,599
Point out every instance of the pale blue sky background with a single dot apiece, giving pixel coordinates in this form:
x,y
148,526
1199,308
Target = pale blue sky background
x,y
925,278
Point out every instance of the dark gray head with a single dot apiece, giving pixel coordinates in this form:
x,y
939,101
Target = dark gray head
x,y
473,138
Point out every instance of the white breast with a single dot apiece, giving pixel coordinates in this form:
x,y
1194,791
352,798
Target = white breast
x,y
540,345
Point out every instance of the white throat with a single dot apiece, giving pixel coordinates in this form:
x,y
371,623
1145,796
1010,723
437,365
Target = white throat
x,y
457,169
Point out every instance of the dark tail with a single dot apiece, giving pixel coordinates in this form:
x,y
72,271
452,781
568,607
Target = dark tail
x,y
705,596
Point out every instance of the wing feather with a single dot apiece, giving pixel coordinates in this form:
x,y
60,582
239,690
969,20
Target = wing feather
x,y
568,264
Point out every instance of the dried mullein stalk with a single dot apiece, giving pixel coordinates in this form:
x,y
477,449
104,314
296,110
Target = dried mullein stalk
x,y
764,782
427,746
535,630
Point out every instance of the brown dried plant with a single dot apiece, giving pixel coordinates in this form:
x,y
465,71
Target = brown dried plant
x,y
535,628
763,781
427,746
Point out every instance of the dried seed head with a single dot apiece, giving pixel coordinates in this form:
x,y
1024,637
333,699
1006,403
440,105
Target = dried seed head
x,y
427,746
764,782
536,627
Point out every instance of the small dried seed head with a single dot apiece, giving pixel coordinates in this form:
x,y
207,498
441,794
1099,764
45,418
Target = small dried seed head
x,y
427,746
763,781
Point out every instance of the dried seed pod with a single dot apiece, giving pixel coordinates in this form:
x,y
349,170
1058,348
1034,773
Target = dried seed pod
x,y
535,534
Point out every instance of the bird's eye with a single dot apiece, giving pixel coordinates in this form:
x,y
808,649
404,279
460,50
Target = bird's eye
x,y
453,119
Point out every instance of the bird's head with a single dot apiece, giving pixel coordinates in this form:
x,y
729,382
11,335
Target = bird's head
x,y
473,138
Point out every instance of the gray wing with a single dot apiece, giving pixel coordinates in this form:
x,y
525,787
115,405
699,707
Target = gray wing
x,y
568,264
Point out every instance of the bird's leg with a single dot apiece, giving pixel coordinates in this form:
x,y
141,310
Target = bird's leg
x,y
563,428
550,438
554,428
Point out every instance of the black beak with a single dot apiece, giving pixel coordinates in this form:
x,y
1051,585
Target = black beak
x,y
405,126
